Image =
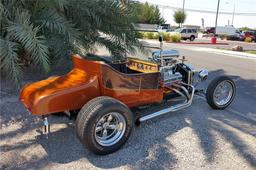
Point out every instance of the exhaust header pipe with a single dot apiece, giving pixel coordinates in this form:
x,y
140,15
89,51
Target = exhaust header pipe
x,y
172,108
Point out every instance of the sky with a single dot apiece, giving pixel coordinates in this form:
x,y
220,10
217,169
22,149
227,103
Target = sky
x,y
245,11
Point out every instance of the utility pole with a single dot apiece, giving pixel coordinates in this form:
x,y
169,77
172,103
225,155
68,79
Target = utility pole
x,y
163,12
183,8
234,8
217,13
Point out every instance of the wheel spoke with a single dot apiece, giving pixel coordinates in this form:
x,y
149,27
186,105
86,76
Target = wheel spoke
x,y
111,126
105,132
102,120
99,128
110,117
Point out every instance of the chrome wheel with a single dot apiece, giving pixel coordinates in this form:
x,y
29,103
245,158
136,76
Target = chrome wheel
x,y
110,129
223,93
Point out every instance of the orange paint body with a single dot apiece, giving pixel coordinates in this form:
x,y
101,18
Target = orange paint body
x,y
87,80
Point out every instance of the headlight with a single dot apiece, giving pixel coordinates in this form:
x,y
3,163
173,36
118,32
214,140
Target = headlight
x,y
203,74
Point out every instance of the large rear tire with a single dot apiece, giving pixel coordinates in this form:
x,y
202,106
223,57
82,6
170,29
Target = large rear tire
x,y
104,124
221,92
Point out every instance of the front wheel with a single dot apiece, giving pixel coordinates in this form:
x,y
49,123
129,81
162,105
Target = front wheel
x,y
221,92
104,124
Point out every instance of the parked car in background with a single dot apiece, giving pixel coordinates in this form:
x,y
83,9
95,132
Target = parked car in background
x,y
170,30
187,33
237,36
163,28
226,30
209,30
251,34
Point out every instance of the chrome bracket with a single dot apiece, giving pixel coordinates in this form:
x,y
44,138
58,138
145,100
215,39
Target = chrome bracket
x,y
46,127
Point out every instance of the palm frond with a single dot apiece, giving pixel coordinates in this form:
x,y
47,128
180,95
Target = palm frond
x,y
25,33
9,59
57,46
49,30
110,18
58,24
1,10
116,49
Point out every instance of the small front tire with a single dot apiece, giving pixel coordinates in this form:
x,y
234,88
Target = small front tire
x,y
104,124
221,92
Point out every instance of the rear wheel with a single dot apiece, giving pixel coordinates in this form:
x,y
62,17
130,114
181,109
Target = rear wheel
x,y
104,125
192,38
221,92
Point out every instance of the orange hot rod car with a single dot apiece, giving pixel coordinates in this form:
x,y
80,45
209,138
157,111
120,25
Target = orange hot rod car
x,y
105,94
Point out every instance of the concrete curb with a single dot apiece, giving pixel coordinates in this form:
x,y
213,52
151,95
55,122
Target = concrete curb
x,y
205,43
233,53
242,54
211,50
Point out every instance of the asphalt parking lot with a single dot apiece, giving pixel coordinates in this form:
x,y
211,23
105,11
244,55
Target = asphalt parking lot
x,y
194,138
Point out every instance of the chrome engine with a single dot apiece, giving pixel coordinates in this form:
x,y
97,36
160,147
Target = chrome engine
x,y
173,71
169,76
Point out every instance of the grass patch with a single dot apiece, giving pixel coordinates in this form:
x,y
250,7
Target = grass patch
x,y
245,51
251,51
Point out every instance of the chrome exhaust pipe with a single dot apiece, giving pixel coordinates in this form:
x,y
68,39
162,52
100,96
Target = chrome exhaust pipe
x,y
172,108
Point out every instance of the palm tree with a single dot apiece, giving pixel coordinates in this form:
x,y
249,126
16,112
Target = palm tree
x,y
41,32
179,17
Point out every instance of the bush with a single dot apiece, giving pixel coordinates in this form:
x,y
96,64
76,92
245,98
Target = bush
x,y
166,36
140,34
175,37
150,35
156,35
248,39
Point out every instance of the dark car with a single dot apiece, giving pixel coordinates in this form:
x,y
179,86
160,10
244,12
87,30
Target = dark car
x,y
210,30
251,34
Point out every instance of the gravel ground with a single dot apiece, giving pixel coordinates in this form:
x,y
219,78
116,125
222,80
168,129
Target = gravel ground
x,y
195,138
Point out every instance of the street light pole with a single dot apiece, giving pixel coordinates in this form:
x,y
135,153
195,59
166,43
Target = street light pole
x,y
217,13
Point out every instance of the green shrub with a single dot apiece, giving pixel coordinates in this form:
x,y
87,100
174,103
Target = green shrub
x,y
156,35
140,34
166,36
248,39
150,35
175,37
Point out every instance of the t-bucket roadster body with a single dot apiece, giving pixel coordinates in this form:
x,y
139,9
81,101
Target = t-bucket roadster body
x,y
89,79
106,93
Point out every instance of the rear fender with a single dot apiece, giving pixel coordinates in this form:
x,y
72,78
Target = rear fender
x,y
57,94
